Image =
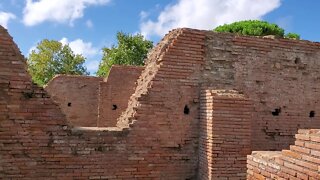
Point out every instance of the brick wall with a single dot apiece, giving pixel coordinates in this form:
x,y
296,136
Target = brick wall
x,y
164,107
159,141
225,134
280,76
115,92
77,97
302,161
157,136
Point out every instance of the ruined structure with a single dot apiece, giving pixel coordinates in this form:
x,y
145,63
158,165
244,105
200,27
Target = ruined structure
x,y
203,102
92,101
115,92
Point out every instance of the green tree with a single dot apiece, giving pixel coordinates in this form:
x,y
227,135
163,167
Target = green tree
x,y
131,50
52,57
255,28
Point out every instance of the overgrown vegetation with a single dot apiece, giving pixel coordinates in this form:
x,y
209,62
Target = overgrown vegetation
x,y
255,28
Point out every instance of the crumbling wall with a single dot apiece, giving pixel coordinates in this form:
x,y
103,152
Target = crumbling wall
x,y
302,161
77,97
164,107
36,141
280,76
115,92
225,134
157,136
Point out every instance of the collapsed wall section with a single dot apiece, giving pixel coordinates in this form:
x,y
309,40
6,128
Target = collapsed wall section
x,y
280,76
115,92
77,97
225,134
302,161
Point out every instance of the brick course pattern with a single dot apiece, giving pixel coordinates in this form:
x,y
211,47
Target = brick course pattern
x,y
225,134
36,141
77,97
280,76
160,134
301,161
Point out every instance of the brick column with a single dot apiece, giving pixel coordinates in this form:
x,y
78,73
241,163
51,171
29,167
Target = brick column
x,y
225,133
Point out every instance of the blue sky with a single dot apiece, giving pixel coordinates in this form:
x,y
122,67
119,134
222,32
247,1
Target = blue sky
x,y
89,25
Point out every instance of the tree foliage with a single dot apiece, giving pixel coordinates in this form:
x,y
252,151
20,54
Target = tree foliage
x,y
131,50
52,57
255,28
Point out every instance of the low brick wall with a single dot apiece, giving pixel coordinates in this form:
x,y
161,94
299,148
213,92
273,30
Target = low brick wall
x,y
301,161
77,97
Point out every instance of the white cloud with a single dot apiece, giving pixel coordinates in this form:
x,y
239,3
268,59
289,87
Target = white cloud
x,y
64,11
5,17
206,14
143,15
78,46
92,65
89,23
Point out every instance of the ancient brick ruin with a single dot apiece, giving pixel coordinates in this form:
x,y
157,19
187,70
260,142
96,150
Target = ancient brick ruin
x,y
92,101
202,103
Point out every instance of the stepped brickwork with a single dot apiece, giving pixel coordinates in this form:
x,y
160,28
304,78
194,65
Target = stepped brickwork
x,y
301,161
200,105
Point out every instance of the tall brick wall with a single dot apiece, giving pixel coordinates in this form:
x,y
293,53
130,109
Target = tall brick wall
x,y
164,107
280,76
302,161
36,141
77,97
115,92
157,136
225,134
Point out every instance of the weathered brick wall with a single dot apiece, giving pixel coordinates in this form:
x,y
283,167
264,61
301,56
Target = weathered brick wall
x,y
225,134
36,141
157,136
77,97
302,161
280,76
115,92
164,107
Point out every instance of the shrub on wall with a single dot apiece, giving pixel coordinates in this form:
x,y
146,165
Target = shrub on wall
x,y
255,28
292,36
